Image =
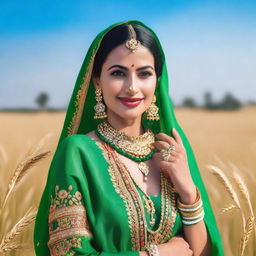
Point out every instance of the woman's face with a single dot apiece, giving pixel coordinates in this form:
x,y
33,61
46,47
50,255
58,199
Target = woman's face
x,y
128,80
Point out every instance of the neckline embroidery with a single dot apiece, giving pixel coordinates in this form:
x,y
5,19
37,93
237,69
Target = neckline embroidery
x,y
124,186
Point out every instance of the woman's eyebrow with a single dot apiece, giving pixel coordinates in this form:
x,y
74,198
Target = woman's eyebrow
x,y
125,68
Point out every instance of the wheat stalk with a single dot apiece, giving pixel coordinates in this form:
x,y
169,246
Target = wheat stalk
x,y
248,225
228,208
17,228
250,221
246,233
40,145
224,180
11,247
243,190
21,171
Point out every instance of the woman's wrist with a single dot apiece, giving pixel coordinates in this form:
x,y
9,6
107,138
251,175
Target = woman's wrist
x,y
191,213
188,197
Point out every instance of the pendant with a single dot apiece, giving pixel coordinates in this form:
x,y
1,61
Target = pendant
x,y
144,169
149,205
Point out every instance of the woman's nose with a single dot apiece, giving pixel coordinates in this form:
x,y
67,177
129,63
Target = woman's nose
x,y
131,87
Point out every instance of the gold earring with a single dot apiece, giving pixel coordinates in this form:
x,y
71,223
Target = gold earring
x,y
99,107
152,111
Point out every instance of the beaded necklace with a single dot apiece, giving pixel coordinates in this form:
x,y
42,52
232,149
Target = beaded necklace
x,y
136,148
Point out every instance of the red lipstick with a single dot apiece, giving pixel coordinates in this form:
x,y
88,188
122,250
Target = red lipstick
x,y
130,102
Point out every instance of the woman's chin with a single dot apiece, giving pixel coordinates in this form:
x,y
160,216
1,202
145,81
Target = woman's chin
x,y
130,116
127,115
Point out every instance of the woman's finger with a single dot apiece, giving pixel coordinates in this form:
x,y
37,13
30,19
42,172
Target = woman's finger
x,y
177,137
166,138
160,145
172,156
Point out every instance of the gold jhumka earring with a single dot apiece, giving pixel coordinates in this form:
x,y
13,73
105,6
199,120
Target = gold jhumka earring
x,y
99,107
132,43
152,111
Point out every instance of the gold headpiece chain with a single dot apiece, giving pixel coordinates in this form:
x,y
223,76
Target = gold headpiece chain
x,y
132,43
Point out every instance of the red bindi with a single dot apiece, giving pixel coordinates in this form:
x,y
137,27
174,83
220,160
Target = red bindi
x,y
132,65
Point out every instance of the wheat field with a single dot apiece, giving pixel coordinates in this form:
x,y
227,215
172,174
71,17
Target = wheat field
x,y
224,140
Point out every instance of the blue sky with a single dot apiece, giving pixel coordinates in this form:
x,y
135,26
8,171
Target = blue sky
x,y
209,45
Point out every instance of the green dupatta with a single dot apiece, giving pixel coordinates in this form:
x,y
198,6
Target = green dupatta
x,y
73,205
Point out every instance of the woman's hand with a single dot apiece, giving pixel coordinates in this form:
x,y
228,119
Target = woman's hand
x,y
176,167
175,246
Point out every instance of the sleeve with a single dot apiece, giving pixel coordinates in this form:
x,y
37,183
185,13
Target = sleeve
x,y
69,229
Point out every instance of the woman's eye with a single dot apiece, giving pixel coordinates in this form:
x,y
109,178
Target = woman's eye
x,y
118,73
145,74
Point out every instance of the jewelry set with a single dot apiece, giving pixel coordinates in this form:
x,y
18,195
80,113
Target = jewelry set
x,y
138,148
151,112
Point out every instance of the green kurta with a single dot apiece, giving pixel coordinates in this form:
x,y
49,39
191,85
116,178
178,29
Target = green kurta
x,y
90,205
85,198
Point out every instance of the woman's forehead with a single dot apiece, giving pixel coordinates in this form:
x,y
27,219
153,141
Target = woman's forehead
x,y
123,56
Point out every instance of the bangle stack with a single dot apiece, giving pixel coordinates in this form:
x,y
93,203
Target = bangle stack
x,y
152,250
191,213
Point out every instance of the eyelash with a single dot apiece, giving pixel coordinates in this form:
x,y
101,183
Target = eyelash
x,y
118,73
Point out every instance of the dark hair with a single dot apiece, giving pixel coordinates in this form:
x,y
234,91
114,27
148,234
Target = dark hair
x,y
117,36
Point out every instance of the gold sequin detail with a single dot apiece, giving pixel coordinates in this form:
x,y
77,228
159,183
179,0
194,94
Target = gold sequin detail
x,y
67,221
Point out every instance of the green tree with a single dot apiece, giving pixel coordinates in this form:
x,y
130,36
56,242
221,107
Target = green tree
x,y
189,102
229,102
42,100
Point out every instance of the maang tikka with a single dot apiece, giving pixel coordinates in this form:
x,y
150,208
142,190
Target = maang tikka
x,y
99,107
152,111
132,43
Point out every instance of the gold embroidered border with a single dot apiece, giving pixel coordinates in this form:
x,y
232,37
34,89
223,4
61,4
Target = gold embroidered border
x,y
67,211
121,189
67,216
80,98
71,232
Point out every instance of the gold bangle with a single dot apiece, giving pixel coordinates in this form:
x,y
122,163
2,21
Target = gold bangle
x,y
195,204
191,214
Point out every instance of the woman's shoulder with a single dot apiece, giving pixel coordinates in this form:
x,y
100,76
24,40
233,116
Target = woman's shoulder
x,y
79,140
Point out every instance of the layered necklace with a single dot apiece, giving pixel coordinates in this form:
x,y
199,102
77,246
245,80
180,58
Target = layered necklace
x,y
137,148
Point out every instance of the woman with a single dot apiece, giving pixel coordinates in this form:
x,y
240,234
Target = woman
x,y
122,180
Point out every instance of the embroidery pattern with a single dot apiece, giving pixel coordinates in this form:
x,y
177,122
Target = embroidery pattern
x,y
120,187
67,222
125,187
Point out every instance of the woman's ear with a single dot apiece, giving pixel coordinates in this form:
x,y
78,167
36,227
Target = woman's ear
x,y
95,82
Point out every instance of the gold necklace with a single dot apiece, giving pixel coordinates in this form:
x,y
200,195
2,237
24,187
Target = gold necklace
x,y
136,146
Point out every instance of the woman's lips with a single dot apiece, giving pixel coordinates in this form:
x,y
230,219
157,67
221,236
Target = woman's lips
x,y
130,102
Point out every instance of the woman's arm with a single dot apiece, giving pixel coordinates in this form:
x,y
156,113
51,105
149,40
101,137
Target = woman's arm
x,y
196,235
177,169
175,246
63,224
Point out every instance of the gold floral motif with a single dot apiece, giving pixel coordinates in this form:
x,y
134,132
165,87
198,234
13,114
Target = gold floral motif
x,y
64,247
67,221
